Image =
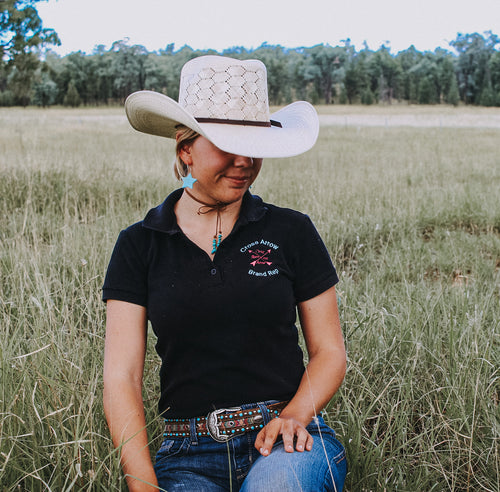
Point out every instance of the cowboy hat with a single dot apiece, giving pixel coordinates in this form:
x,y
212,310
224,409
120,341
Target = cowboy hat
x,y
225,100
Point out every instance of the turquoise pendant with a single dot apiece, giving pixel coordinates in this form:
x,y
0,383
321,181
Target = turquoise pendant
x,y
216,242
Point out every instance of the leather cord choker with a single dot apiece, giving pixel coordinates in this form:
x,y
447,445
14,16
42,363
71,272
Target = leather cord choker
x,y
207,208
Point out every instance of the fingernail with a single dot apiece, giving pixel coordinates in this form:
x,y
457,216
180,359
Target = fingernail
x,y
263,451
300,448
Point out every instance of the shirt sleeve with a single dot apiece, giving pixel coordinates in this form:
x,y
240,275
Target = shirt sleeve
x,y
314,270
126,277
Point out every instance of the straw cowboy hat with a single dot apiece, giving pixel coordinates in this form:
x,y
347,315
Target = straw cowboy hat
x,y
225,100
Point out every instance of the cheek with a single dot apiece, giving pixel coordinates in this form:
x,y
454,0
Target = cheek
x,y
205,172
257,166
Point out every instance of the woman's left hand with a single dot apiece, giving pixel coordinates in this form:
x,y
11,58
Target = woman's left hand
x,y
290,430
320,322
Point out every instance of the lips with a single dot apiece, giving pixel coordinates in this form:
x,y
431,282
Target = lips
x,y
240,180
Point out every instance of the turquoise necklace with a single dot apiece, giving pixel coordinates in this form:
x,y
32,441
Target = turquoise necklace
x,y
207,208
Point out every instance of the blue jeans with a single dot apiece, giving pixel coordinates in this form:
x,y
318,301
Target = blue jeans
x,y
200,464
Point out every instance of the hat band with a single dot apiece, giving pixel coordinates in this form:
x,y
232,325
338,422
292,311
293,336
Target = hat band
x,y
240,122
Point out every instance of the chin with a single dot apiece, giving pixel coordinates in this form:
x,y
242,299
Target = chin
x,y
234,194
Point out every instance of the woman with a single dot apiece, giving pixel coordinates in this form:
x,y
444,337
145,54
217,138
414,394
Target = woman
x,y
220,275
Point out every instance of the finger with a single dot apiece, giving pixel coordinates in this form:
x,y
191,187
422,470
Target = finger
x,y
302,438
270,439
288,436
309,442
259,440
262,435
267,437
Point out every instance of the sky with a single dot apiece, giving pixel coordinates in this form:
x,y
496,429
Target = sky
x,y
220,24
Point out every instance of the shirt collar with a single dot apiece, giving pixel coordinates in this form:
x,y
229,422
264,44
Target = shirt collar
x,y
162,218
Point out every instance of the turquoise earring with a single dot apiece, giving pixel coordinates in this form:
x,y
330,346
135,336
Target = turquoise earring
x,y
188,181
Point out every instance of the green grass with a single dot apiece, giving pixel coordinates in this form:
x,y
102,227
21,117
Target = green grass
x,y
411,217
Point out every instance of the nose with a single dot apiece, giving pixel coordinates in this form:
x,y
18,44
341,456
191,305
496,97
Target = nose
x,y
242,161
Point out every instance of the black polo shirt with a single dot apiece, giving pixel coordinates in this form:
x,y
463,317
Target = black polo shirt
x,y
225,328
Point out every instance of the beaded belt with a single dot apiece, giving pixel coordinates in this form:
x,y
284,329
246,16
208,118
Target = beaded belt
x,y
223,424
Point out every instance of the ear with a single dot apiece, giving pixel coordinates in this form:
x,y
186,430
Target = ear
x,y
185,155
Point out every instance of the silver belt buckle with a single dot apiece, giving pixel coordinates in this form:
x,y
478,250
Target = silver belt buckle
x,y
213,428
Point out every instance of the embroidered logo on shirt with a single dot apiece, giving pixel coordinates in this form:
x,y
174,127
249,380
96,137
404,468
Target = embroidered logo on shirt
x,y
260,257
260,253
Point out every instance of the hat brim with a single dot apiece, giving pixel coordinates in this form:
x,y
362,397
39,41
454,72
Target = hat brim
x,y
157,114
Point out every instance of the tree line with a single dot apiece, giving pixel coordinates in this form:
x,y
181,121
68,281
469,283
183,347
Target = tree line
x,y
32,74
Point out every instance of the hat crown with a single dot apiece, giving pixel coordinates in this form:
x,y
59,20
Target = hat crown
x,y
224,88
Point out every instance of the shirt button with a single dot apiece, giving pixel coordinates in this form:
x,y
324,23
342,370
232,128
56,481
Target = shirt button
x,y
213,271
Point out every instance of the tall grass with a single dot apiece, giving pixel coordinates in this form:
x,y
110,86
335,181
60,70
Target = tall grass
x,y
411,218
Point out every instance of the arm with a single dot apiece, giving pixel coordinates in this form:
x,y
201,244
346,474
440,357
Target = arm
x,y
322,378
124,354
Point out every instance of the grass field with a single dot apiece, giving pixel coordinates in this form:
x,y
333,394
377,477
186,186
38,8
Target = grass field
x,y
411,216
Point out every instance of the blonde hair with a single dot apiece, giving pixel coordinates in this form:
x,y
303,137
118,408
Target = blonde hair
x,y
184,136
